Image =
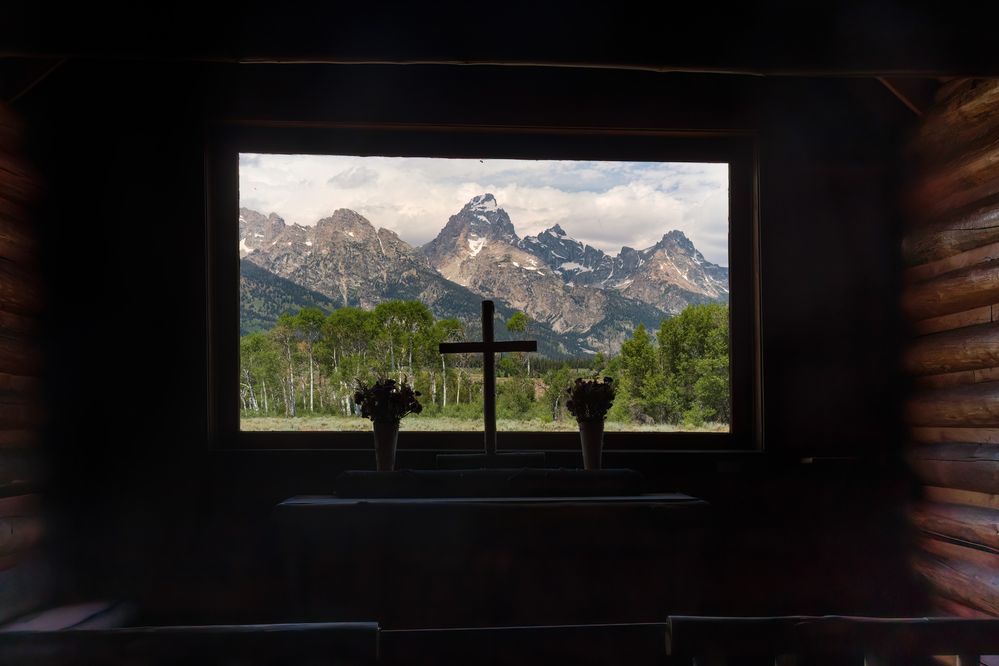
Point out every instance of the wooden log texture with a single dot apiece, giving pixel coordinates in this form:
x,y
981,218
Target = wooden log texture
x,y
20,291
965,114
981,315
957,378
977,255
348,643
970,405
967,584
971,177
18,469
957,291
972,524
964,466
770,636
969,348
949,608
957,496
955,435
957,231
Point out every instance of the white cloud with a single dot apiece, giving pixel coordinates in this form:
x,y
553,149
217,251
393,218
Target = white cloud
x,y
605,204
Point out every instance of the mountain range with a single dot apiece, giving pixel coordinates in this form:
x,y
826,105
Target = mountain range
x,y
581,299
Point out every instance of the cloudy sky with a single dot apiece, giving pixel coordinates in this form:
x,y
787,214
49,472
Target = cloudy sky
x,y
605,204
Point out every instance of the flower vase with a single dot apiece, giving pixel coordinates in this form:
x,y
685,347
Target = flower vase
x,y
591,434
386,436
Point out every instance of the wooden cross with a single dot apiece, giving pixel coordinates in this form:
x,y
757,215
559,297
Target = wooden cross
x,y
488,348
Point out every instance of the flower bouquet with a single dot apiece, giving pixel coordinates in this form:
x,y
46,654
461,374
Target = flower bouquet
x,y
385,403
589,400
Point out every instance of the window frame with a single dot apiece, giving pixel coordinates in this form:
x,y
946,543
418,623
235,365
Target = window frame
x,y
738,149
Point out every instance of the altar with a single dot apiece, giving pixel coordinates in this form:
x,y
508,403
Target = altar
x,y
481,561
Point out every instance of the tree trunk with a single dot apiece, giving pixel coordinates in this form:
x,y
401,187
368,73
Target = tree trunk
x,y
263,387
249,388
444,380
312,385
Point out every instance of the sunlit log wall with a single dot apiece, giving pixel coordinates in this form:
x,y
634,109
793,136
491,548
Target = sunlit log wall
x,y
951,298
24,579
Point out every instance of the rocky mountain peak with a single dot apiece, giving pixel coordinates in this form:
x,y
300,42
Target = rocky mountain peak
x,y
678,240
344,225
482,217
482,203
556,230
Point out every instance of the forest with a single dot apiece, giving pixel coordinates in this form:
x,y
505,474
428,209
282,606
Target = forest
x,y
306,367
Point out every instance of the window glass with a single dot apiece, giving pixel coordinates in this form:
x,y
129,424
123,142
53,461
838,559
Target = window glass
x,y
352,268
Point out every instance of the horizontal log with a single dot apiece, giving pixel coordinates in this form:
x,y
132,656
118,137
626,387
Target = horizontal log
x,y
19,438
21,415
17,181
350,643
958,231
18,467
957,291
977,255
956,552
13,324
967,112
972,177
20,505
20,533
969,348
958,496
20,291
955,435
957,378
961,406
19,383
771,636
974,525
20,356
963,466
950,608
967,583
981,315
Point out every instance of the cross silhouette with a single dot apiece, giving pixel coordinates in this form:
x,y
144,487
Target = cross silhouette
x,y
488,348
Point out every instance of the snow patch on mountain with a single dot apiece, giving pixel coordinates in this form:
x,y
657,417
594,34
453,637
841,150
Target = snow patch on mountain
x,y
475,244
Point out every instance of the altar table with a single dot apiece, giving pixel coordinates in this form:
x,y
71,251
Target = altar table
x,y
440,562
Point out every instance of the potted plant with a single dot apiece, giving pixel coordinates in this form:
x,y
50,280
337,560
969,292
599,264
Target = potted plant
x,y
386,402
589,400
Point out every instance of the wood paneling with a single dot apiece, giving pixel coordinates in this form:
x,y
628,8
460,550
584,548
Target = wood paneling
x,y
964,466
964,289
952,250
970,405
25,581
969,348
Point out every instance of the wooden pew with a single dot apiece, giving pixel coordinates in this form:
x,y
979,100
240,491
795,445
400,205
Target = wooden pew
x,y
638,644
310,644
829,639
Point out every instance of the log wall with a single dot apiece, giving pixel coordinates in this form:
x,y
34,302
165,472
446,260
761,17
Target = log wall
x,y
951,298
24,575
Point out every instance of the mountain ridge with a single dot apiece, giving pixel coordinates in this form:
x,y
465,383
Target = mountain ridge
x,y
580,298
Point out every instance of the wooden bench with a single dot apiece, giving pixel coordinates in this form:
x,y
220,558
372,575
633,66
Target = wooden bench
x,y
829,639
310,644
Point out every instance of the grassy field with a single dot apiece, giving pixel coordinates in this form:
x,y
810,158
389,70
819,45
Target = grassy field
x,y
334,423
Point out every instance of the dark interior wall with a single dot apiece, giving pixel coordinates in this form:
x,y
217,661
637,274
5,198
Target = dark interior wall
x,y
149,512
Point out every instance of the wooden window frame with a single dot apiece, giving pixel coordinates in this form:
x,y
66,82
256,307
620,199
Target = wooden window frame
x,y
738,149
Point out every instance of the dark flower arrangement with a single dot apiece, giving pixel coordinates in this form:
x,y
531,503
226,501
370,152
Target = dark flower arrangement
x,y
387,401
589,399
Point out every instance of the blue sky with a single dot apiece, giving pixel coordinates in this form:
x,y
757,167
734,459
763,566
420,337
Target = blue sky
x,y
605,204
